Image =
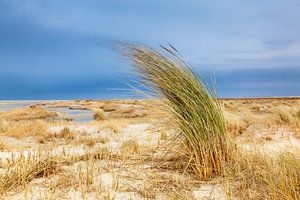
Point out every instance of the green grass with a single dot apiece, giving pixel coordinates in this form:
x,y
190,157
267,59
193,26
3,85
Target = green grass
x,y
191,104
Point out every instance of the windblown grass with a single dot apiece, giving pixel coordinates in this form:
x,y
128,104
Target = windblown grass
x,y
191,104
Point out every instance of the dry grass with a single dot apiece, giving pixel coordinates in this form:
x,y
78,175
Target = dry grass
x,y
137,169
99,115
23,129
65,133
287,116
163,135
29,113
241,114
169,185
3,146
255,175
22,170
90,142
236,124
115,125
297,114
127,113
130,147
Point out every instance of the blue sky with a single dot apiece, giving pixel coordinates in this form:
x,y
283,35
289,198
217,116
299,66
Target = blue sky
x,y
61,49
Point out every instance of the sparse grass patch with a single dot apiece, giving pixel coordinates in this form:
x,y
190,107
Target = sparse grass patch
x,y
3,146
65,134
23,129
129,112
287,116
230,106
32,112
99,115
255,108
91,141
115,125
255,175
130,147
163,135
235,124
297,115
22,170
170,186
284,116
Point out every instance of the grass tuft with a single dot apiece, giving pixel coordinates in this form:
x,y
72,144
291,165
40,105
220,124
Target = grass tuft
x,y
99,115
22,170
190,103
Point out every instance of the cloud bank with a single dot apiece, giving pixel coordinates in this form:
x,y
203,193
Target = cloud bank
x,y
65,42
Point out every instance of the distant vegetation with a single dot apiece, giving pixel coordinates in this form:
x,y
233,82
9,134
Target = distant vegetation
x,y
99,115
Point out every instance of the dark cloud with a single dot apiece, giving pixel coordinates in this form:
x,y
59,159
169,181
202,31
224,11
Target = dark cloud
x,y
48,48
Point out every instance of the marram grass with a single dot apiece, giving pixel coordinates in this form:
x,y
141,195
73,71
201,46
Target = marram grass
x,y
191,104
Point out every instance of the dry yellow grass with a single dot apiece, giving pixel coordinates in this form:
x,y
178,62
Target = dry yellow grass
x,y
90,142
139,170
99,115
115,125
130,147
256,175
240,114
29,113
3,146
65,134
236,124
22,170
23,129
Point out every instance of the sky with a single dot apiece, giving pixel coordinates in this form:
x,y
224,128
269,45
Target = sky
x,y
62,49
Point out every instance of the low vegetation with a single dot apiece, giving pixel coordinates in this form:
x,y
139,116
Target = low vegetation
x,y
255,175
108,159
20,171
99,115
23,129
32,112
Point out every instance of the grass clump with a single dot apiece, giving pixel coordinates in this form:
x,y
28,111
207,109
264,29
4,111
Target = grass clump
x,y
64,133
284,116
297,114
29,113
3,146
20,171
23,129
191,105
99,115
130,147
